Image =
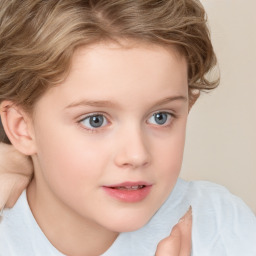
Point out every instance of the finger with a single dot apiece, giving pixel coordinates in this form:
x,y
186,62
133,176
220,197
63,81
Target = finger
x,y
21,183
12,161
170,246
6,185
185,227
11,186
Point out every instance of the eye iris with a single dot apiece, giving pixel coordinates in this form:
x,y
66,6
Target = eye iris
x,y
96,121
160,118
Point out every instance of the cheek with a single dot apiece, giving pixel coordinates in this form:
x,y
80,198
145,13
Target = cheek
x,y
170,165
169,156
67,162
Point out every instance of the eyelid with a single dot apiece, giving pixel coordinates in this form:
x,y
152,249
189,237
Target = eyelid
x,y
169,113
105,115
93,129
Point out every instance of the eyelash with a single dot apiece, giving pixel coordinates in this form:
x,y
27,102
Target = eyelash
x,y
92,130
170,117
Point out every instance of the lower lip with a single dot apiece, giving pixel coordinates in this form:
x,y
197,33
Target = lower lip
x,y
130,196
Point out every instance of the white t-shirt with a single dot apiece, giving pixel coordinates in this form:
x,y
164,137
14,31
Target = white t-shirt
x,y
222,226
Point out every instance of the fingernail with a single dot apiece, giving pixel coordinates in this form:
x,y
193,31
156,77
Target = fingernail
x,y
187,216
1,211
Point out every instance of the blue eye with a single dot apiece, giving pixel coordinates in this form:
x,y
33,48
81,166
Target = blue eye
x,y
160,118
94,121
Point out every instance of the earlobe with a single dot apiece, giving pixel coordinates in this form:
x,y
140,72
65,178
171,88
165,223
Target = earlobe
x,y
17,126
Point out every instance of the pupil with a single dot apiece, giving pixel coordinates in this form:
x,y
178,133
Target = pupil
x,y
96,121
160,118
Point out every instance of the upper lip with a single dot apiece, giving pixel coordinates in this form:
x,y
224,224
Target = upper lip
x,y
129,184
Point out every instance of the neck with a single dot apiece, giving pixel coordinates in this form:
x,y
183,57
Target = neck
x,y
69,232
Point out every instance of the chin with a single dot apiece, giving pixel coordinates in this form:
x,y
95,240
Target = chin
x,y
129,223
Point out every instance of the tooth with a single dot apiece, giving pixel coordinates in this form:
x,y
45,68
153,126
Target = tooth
x,y
130,187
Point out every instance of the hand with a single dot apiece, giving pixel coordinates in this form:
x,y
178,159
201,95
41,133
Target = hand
x,y
15,174
179,241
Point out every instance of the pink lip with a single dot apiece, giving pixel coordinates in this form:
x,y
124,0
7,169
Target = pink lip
x,y
128,195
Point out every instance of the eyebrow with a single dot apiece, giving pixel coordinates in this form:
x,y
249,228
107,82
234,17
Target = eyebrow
x,y
170,99
106,103
92,103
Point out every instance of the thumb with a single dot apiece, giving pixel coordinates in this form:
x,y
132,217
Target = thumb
x,y
178,243
171,245
11,186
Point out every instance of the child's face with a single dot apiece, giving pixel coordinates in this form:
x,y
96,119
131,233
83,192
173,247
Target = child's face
x,y
117,121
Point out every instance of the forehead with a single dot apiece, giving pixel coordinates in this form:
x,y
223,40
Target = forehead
x,y
126,48
126,73
131,61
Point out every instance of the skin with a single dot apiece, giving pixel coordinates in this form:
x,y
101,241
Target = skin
x,y
178,243
72,161
15,173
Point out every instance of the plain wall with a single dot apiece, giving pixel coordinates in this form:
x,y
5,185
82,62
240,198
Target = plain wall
x,y
221,133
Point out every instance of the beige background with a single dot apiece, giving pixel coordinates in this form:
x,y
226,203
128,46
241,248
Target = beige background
x,y
221,138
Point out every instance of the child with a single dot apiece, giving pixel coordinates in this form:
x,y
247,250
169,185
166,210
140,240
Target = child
x,y
97,93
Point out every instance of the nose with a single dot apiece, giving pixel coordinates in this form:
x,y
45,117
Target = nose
x,y
132,150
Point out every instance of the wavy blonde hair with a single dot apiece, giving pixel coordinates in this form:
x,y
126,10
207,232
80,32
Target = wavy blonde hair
x,y
38,38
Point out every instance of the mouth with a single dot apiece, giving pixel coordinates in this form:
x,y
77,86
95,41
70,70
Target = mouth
x,y
129,187
129,191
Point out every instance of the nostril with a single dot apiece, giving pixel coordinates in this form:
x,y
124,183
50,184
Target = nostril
x,y
133,163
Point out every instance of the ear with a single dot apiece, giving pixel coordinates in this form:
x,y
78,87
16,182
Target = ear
x,y
193,96
18,127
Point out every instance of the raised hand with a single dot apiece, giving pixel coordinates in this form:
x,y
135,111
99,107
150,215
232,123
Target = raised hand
x,y
178,243
15,173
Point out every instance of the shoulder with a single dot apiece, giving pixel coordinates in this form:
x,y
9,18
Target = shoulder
x,y
20,234
222,223
211,194
210,197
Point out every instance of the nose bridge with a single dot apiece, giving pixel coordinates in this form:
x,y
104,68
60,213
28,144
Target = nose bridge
x,y
132,147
